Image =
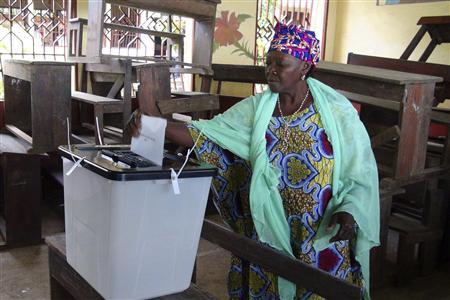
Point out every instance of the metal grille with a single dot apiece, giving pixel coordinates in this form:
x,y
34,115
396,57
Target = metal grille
x,y
33,29
269,11
128,43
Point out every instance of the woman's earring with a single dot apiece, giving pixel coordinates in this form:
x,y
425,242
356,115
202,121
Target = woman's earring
x,y
303,77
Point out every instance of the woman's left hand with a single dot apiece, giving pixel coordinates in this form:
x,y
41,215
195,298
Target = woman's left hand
x,y
347,229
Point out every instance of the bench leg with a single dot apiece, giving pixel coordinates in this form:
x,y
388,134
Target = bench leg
x,y
405,259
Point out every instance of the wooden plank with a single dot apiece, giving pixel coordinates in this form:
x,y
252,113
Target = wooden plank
x,y
188,8
374,87
434,20
117,86
378,74
191,104
426,174
440,117
238,73
438,70
442,90
203,41
309,277
50,106
127,87
93,99
95,30
372,101
414,124
174,36
17,69
17,103
19,133
154,86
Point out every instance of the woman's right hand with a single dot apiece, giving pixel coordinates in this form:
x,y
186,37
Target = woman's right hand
x,y
134,124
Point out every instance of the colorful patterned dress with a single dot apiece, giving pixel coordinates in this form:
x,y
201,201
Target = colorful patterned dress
x,y
306,164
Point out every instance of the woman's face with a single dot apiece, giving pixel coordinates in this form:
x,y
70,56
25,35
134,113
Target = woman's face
x,y
284,71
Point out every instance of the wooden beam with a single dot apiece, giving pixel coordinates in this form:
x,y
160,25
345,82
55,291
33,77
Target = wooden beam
x,y
95,30
20,134
414,121
115,89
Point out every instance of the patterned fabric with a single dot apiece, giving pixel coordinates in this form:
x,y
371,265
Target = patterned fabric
x,y
294,40
305,186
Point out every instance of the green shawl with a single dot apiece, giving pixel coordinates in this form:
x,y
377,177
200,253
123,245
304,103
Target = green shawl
x,y
241,130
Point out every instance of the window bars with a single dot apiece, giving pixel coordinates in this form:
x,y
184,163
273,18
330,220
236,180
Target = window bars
x,y
33,29
269,11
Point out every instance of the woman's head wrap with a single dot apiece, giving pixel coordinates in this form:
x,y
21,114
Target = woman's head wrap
x,y
294,40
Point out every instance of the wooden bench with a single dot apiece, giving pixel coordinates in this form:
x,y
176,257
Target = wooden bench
x,y
66,283
425,229
102,105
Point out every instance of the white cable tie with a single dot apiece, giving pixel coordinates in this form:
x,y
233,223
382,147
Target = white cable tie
x,y
189,153
75,165
174,175
174,179
98,131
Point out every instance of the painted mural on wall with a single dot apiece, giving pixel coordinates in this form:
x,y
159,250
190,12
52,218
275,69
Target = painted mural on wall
x,y
227,33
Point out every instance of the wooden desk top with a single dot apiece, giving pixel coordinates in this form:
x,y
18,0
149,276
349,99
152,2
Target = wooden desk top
x,y
376,74
255,74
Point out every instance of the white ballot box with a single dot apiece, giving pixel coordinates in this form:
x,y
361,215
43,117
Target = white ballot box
x,y
127,233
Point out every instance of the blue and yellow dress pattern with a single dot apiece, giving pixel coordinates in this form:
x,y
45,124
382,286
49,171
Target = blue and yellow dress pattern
x,y
305,160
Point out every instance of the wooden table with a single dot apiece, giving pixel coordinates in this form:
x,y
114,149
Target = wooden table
x,y
66,283
413,92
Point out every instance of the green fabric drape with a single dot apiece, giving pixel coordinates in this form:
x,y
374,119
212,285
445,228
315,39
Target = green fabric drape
x,y
241,130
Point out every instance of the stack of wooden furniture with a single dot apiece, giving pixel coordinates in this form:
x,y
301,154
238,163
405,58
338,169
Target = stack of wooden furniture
x,y
37,106
422,221
108,74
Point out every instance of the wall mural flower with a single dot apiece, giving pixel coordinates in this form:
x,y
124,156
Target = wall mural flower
x,y
227,33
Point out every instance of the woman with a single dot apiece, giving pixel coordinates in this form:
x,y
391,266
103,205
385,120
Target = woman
x,y
296,171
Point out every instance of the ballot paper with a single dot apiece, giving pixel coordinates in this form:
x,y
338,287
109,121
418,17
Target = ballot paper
x,y
150,143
